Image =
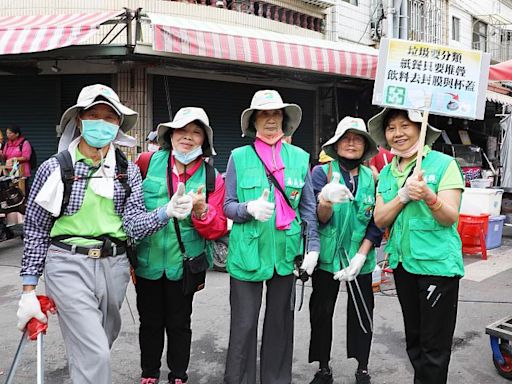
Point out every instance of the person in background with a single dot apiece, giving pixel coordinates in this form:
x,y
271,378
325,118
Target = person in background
x,y
379,161
81,241
421,209
268,194
152,140
16,149
163,305
348,237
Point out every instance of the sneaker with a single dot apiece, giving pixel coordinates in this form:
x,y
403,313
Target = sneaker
x,y
148,380
363,377
323,376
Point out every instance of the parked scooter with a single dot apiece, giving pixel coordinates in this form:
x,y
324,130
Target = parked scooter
x,y
12,200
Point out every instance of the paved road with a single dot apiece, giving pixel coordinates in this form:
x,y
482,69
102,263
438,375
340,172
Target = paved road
x,y
471,359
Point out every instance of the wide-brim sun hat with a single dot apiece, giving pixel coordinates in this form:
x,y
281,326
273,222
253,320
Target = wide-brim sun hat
x,y
100,94
357,126
183,117
266,100
378,131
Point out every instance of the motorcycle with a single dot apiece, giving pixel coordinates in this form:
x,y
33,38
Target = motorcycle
x,y
12,200
220,250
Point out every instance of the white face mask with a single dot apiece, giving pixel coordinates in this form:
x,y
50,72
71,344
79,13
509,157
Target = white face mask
x,y
187,157
153,147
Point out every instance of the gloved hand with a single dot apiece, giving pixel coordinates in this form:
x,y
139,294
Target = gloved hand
x,y
261,209
29,307
404,193
180,204
335,192
353,269
309,263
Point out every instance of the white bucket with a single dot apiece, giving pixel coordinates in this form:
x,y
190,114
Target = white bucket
x,y
476,201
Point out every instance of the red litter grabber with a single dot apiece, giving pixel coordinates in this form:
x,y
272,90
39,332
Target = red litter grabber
x,y
33,331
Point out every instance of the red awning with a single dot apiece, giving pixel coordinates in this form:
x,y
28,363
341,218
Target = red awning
x,y
26,34
219,41
501,71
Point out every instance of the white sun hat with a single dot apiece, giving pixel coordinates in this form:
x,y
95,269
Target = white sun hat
x,y
183,117
355,125
92,95
267,100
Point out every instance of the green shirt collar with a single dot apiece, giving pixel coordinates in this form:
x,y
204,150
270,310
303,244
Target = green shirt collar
x,y
405,172
81,157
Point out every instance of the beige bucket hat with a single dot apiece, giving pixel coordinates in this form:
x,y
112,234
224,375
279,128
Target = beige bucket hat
x,y
265,100
355,125
377,129
100,94
183,117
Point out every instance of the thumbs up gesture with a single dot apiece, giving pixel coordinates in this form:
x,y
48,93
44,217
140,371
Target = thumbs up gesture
x,y
334,192
199,205
180,205
261,209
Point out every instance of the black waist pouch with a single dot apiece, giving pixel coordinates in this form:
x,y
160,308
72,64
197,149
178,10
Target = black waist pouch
x,y
194,273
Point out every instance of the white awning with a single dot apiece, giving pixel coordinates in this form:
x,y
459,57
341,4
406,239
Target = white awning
x,y
499,98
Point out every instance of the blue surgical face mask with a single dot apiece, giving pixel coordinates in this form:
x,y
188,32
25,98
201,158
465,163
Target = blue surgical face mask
x,y
99,133
187,157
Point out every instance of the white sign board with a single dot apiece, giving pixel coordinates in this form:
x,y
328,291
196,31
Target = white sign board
x,y
409,72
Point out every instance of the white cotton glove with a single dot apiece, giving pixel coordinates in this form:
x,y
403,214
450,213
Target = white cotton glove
x,y
29,307
180,205
309,263
404,192
353,269
335,192
261,209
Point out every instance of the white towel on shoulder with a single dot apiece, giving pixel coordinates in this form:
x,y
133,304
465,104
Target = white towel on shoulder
x,y
51,194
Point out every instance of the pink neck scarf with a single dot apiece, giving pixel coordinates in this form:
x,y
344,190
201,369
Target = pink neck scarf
x,y
271,156
270,140
408,153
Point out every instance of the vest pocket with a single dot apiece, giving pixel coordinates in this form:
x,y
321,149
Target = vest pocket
x,y
293,242
327,244
251,187
246,255
429,240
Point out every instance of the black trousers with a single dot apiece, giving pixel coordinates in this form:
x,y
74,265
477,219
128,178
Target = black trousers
x,y
163,308
429,307
321,311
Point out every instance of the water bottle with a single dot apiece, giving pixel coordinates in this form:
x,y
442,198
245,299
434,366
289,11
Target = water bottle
x,y
376,278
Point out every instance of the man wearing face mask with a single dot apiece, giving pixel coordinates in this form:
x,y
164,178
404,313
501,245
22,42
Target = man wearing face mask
x,y
85,205
164,301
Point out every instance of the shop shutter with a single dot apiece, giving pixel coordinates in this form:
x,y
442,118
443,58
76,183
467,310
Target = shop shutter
x,y
224,103
36,104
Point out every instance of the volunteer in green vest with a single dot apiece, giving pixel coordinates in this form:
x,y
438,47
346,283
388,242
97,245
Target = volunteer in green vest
x,y
268,194
348,235
163,302
425,252
77,234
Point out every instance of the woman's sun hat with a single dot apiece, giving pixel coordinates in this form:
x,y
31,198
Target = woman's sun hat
x,y
265,100
183,117
355,125
377,129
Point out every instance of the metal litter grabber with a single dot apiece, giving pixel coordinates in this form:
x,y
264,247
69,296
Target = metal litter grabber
x,y
33,331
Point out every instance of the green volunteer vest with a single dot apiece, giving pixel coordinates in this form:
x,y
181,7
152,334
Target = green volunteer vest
x,y
160,253
258,249
423,245
342,236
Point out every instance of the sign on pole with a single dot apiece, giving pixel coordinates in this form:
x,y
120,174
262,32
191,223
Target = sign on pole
x,y
411,72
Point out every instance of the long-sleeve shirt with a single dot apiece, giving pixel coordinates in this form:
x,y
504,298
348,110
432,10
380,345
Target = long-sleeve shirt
x,y
307,206
137,222
373,233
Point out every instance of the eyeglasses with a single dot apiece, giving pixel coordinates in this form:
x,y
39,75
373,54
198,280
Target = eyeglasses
x,y
355,139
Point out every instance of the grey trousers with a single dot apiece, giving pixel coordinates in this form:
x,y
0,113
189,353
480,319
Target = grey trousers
x,y
277,340
88,294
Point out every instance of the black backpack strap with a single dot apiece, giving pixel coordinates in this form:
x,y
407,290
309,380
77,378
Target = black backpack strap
x,y
122,176
67,175
210,179
21,144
